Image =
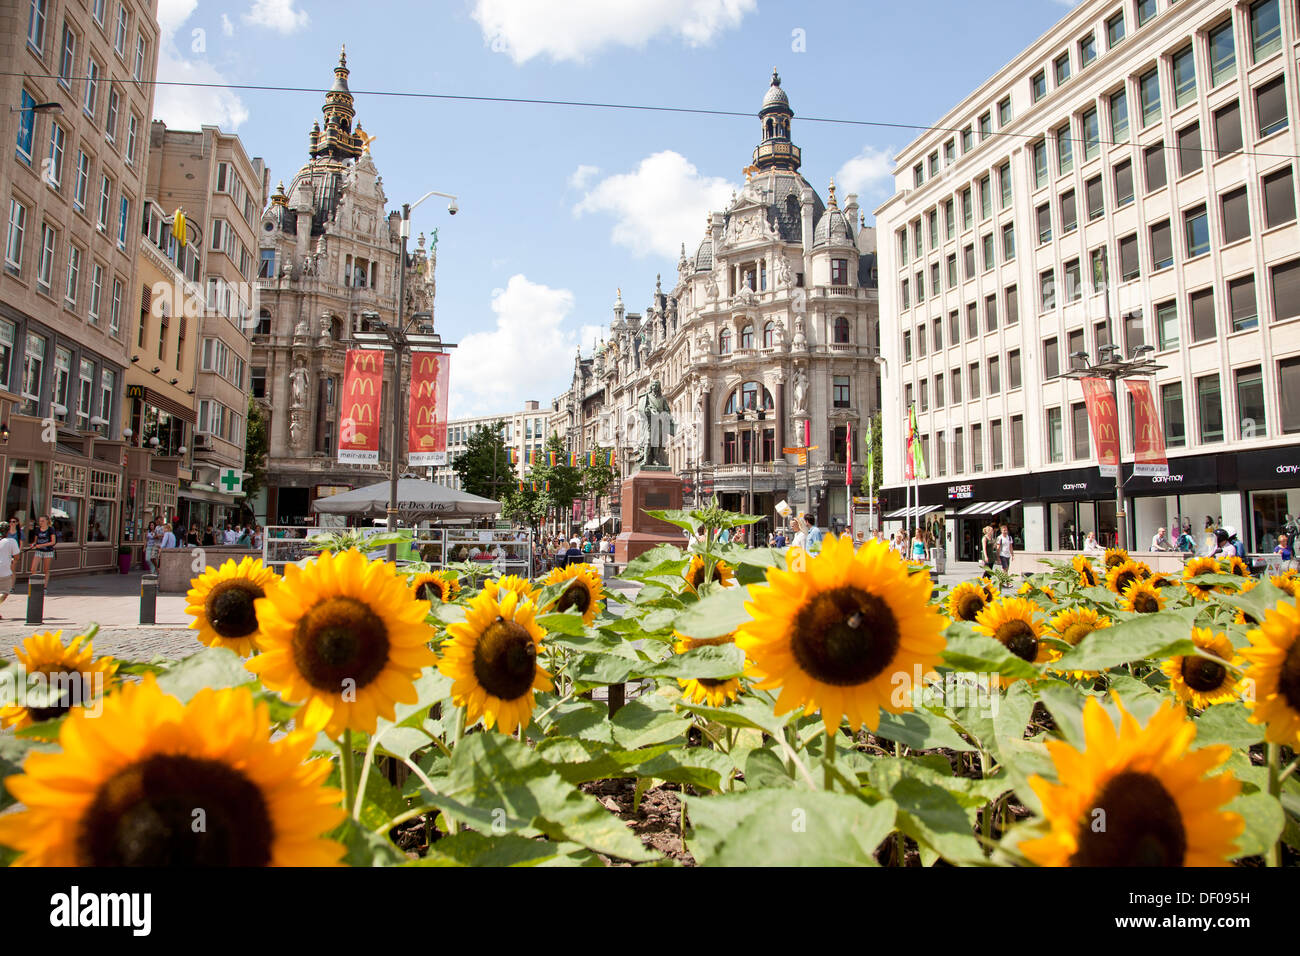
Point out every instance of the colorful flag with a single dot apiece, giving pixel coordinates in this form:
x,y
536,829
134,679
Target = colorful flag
x,y
915,452
871,459
553,457
363,383
848,454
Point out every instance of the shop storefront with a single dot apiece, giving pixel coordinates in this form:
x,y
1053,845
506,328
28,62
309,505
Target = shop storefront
x,y
1270,479
1190,498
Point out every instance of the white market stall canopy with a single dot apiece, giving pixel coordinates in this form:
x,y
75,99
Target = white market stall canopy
x,y
417,500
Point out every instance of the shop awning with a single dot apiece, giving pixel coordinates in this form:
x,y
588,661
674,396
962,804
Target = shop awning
x,y
912,512
595,523
988,507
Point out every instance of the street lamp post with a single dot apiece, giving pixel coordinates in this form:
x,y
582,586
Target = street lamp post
x,y
1111,366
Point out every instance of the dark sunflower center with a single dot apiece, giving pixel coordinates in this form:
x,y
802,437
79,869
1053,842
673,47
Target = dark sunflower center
x,y
844,636
1076,632
1114,561
340,639
173,810
575,596
429,591
505,660
1203,674
969,607
65,688
1088,577
1288,677
1238,569
711,682
1019,638
230,609
1133,822
1146,603
1124,579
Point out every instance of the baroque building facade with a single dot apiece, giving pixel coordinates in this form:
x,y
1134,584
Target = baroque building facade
x,y
328,260
774,313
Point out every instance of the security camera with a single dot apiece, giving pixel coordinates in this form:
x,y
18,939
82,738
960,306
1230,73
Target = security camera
x,y
452,207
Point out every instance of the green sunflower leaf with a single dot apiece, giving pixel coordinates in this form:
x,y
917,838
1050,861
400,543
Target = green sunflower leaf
x,y
1265,820
981,654
469,848
1256,602
1164,634
787,828
214,667
921,730
1227,723
718,614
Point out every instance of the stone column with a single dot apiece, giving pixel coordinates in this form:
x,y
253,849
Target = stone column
x,y
706,442
780,421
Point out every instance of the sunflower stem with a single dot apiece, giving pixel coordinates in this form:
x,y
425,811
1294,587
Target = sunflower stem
x,y
1290,769
828,761
348,769
1275,788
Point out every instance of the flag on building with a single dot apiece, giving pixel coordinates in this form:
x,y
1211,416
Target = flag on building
x,y
915,454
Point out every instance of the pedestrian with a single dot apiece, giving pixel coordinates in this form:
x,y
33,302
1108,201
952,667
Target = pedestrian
x,y
168,539
814,535
16,530
1006,548
151,546
1283,549
42,547
9,560
1160,541
209,537
988,550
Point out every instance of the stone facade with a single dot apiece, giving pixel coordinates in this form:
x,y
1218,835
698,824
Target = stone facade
x,y
775,312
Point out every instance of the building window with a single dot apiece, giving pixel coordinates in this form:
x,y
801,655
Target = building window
x,y
1133,333
1209,409
1162,246
1270,107
119,36
952,271
1286,290
1227,129
840,387
967,210
1149,96
1069,214
1114,30
1202,309
1064,150
115,308
36,15
973,380
1124,183
96,292
949,219
1196,229
1167,336
1189,149
1153,161
1004,112
954,328
74,276
1242,303
1236,215
990,260
1265,28
26,128
1094,198
840,332
936,334
968,255
33,373
1047,290
17,232
967,140
105,202
995,375
839,272
954,380
110,117
1044,216
83,181
1091,134
977,448
1051,359
986,126
1184,75
991,313
1223,53
132,129
92,88
1171,408
1288,385
1130,266
1119,116
1279,198
123,217
1061,68
1038,85
141,58
1079,430
769,335
1087,50
1008,242
1073,285
45,261
1146,9
1100,269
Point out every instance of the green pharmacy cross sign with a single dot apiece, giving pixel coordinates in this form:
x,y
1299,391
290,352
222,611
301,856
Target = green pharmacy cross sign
x,y
231,480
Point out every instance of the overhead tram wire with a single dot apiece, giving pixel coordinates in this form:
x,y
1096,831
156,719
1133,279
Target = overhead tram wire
x,y
641,107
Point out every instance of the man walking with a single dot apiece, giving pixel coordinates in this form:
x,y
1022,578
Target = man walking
x,y
1006,548
9,552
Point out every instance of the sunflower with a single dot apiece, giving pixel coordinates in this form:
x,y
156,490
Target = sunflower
x,y
1234,565
837,635
73,675
1200,681
1014,622
583,593
130,786
1161,580
1274,656
1027,589
1198,566
1285,581
492,661
1247,620
1082,566
722,573
431,585
967,599
222,602
1073,625
525,588
1158,806
1142,597
343,635
1114,558
706,690
1122,575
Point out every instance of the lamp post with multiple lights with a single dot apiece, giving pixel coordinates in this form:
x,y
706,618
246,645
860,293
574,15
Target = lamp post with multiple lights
x,y
1112,366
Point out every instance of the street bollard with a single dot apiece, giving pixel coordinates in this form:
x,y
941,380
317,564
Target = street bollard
x,y
149,599
616,698
35,600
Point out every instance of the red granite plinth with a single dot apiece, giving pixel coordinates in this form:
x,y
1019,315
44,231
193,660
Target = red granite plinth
x,y
642,492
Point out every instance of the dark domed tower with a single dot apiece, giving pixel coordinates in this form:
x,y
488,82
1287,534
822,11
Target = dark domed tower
x,y
776,151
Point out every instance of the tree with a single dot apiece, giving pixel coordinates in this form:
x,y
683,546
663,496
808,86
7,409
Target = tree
x,y
255,451
876,451
526,506
484,466
597,478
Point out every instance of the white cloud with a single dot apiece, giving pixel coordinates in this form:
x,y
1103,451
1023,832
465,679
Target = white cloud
x,y
659,205
583,175
227,28
527,355
573,30
276,15
189,107
868,173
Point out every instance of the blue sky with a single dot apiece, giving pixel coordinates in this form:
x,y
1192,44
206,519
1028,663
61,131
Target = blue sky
x,y
561,205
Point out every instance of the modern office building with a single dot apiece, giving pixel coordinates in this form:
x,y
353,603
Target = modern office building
x,y
524,432
78,97
1127,180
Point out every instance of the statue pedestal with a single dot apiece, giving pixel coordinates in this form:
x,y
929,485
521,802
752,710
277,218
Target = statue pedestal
x,y
648,491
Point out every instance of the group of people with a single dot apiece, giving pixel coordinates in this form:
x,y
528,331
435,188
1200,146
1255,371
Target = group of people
x,y
997,550
159,534
38,539
559,552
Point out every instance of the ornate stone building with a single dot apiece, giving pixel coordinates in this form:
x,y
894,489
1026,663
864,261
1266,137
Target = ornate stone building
x,y
775,312
328,259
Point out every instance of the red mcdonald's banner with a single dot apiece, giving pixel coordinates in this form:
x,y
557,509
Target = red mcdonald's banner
x,y
427,422
1103,420
363,384
1149,456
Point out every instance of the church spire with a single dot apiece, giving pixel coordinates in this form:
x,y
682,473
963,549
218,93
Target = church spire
x,y
775,149
336,140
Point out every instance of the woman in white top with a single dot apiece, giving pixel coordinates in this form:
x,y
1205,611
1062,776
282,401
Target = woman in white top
x,y
151,548
800,537
1092,545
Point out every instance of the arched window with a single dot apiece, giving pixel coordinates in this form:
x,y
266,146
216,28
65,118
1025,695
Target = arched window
x,y
747,337
841,331
769,335
724,342
769,129
336,328
264,322
747,396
